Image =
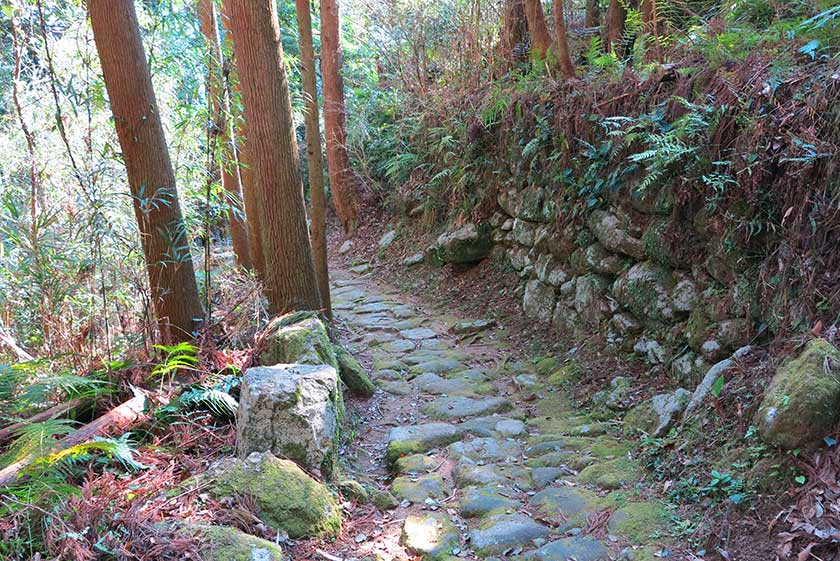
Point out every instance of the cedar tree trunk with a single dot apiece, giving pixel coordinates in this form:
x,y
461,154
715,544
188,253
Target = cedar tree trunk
x,y
151,180
222,133
313,155
272,149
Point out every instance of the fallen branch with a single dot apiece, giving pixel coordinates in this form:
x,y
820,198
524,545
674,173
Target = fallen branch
x,y
7,339
6,433
116,421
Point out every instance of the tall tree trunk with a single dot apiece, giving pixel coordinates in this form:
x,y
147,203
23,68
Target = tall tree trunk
x,y
540,36
650,25
150,176
246,171
313,155
289,273
616,14
345,192
514,29
561,41
223,133
592,17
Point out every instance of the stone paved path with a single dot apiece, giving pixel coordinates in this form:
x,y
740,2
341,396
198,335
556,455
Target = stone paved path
x,y
484,457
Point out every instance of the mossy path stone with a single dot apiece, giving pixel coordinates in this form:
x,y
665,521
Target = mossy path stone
x,y
434,384
506,532
403,441
578,548
419,489
460,406
485,449
564,502
478,502
430,535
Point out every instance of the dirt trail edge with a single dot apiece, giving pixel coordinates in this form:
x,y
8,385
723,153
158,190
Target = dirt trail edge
x,y
483,456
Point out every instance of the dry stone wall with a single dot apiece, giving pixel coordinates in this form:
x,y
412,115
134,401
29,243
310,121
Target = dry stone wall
x,y
650,284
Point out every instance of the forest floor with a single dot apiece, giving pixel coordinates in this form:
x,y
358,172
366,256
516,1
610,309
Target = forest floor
x,y
485,456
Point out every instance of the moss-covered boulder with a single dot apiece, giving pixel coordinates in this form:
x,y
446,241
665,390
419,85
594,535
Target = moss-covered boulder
x,y
802,403
645,290
223,543
353,374
614,233
293,410
432,536
287,499
298,338
468,244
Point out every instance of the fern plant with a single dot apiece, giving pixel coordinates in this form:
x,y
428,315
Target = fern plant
x,y
183,356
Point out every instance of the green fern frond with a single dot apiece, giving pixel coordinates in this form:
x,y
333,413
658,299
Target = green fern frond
x,y
36,439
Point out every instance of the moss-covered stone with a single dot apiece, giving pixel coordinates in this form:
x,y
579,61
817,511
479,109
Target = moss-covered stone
x,y
641,418
645,291
353,374
432,536
639,522
802,403
384,500
352,489
611,474
302,342
661,243
286,498
223,543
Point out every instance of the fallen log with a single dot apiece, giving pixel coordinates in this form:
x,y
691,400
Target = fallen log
x,y
116,421
6,433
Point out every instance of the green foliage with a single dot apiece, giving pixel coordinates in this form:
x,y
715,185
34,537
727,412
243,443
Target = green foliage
x,y
182,356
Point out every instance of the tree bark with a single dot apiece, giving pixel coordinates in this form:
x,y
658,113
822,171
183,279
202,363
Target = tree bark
x,y
650,25
592,16
540,36
345,193
151,180
290,281
616,14
222,133
514,29
313,155
246,175
561,41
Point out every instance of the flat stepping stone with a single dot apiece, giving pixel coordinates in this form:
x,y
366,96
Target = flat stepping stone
x,y
612,474
395,387
483,426
435,344
433,384
582,548
408,323
398,346
459,406
405,312
418,489
505,532
485,449
565,502
478,502
472,375
475,326
413,260
431,535
468,473
510,427
545,476
387,374
436,366
416,463
547,447
418,333
417,439
375,321
372,308
361,269
349,294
